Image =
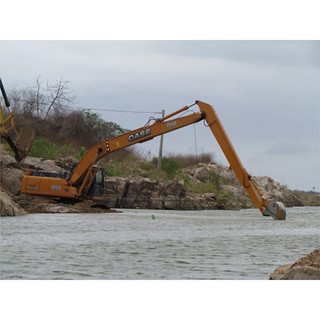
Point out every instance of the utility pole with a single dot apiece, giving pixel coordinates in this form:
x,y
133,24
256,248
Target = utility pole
x,y
160,148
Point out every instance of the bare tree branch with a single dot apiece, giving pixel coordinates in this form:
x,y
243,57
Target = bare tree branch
x,y
59,95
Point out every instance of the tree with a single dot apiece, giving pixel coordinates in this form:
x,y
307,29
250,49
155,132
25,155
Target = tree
x,y
40,102
83,128
59,96
48,110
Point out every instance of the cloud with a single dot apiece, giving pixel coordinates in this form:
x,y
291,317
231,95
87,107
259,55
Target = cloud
x,y
290,148
266,93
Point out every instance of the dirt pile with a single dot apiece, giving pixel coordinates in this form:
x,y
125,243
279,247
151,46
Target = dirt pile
x,y
306,268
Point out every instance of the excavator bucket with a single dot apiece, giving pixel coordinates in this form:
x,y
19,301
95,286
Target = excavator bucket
x,y
21,142
276,210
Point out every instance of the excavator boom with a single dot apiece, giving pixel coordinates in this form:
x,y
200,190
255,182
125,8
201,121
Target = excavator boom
x,y
79,184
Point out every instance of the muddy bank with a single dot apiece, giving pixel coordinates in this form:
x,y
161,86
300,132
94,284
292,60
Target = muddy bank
x,y
143,193
306,268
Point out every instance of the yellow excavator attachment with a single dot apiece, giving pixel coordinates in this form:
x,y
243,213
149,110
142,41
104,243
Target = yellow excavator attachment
x,y
20,141
276,210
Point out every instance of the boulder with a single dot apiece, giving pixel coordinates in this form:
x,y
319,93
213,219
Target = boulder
x,y
306,268
8,207
173,188
171,202
274,190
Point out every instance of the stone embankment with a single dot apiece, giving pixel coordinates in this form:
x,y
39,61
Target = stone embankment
x,y
142,192
306,268
145,193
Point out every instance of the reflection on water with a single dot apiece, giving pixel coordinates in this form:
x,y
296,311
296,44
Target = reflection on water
x,y
175,245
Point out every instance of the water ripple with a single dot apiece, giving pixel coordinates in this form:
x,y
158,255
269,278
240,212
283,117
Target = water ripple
x,y
179,245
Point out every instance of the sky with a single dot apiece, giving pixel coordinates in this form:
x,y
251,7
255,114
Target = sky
x,y
266,93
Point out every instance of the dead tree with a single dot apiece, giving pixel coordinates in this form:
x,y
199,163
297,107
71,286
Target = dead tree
x,y
59,97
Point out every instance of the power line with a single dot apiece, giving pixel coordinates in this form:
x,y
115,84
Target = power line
x,y
115,110
96,109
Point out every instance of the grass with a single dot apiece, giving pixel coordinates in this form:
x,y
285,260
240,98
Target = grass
x,y
46,149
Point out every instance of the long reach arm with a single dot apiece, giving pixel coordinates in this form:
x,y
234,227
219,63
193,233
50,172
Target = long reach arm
x,y
273,208
79,182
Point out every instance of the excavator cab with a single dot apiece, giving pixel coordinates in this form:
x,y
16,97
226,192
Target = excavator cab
x,y
97,186
20,141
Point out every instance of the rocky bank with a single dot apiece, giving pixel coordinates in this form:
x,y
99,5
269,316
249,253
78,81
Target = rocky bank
x,y
306,268
142,192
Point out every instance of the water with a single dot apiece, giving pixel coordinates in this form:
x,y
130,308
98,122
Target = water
x,y
145,244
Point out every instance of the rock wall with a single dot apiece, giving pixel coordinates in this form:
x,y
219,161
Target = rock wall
x,y
145,193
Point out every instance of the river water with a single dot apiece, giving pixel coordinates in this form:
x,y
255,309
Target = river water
x,y
149,244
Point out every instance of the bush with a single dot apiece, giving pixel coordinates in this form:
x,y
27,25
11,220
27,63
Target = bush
x,y
169,165
122,163
187,160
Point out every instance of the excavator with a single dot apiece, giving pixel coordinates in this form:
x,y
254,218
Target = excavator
x,y
19,141
86,179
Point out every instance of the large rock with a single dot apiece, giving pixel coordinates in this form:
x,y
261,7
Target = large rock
x,y
274,190
12,172
231,194
8,207
306,268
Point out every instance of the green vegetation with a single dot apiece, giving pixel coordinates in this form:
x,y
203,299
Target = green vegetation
x,y
46,149
168,165
210,184
121,164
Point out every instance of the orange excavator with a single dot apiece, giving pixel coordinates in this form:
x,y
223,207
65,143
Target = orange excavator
x,y
20,141
86,179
